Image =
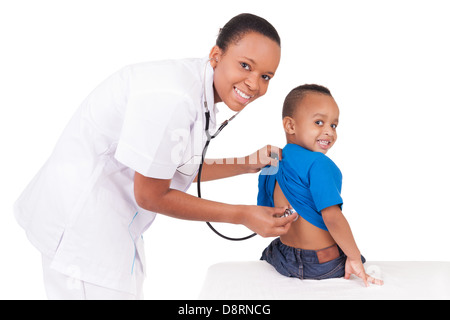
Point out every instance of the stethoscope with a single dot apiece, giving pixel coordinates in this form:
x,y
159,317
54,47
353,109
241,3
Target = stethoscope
x,y
209,137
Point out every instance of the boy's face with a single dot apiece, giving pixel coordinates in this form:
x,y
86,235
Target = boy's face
x,y
313,125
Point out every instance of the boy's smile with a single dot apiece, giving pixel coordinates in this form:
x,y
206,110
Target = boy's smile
x,y
313,125
324,144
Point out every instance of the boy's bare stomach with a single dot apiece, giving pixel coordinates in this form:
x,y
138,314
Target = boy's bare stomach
x,y
302,234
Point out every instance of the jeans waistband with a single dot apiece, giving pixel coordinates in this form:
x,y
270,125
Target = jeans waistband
x,y
322,255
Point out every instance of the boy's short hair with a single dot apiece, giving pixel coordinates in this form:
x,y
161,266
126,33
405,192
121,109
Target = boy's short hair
x,y
297,94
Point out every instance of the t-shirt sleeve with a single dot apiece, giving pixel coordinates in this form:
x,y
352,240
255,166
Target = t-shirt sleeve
x,y
266,185
325,183
155,131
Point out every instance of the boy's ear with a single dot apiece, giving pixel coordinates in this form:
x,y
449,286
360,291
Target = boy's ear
x,y
289,125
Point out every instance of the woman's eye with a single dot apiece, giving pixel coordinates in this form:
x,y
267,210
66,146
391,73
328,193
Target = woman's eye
x,y
245,66
266,77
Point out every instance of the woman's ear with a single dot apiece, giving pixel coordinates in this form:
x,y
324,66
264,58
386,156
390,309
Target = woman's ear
x,y
289,125
214,56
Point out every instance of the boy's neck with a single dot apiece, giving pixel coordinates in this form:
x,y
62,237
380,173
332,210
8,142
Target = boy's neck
x,y
291,142
304,147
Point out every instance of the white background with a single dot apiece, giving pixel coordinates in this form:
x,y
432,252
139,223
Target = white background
x,y
386,62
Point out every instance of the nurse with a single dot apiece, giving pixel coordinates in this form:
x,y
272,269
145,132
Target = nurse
x,y
131,150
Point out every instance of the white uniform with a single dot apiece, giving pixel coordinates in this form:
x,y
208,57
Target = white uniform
x,y
80,210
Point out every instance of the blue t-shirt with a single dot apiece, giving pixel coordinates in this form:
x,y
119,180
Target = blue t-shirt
x,y
309,180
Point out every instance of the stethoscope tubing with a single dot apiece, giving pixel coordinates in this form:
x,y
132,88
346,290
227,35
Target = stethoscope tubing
x,y
200,169
209,137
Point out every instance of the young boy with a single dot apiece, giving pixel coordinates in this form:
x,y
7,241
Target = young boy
x,y
320,244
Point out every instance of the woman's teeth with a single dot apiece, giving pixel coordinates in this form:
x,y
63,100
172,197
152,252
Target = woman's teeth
x,y
243,95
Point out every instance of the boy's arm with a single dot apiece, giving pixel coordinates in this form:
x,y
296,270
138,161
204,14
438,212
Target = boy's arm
x,y
340,230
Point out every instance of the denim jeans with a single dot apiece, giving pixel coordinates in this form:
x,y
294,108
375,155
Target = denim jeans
x,y
303,264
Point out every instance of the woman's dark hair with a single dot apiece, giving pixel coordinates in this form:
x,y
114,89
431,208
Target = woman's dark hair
x,y
296,95
242,24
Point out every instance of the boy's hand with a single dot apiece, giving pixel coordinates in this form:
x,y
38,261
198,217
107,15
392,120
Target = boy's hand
x,y
356,267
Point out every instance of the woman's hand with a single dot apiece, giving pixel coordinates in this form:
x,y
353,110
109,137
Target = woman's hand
x,y
268,155
266,221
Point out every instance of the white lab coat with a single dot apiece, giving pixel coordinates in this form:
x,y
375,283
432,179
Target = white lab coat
x,y
80,210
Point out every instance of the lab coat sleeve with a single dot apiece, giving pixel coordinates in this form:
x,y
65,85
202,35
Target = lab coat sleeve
x,y
155,133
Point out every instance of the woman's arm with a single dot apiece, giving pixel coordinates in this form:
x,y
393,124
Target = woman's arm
x,y
214,169
157,196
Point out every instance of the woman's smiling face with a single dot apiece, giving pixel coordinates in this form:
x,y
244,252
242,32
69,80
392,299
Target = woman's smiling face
x,y
242,73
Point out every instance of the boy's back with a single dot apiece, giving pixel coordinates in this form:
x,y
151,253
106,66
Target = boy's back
x,y
310,181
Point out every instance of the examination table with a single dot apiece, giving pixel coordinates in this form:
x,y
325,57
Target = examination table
x,y
259,280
